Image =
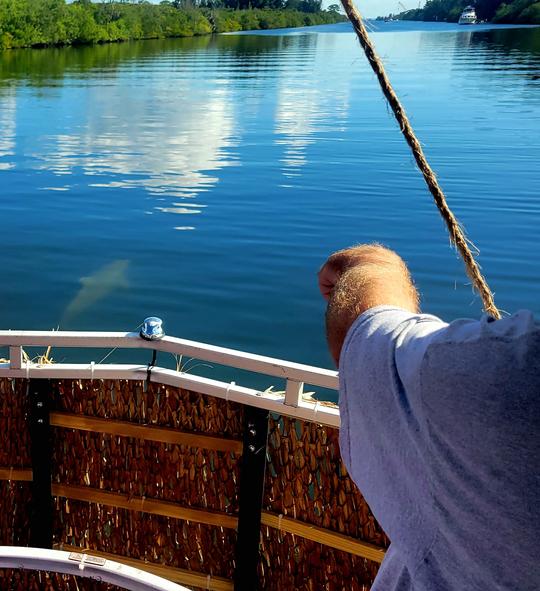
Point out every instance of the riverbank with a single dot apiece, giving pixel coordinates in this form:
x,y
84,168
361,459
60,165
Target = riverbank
x,y
43,23
509,12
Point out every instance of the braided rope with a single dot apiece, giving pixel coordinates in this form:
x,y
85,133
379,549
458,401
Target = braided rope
x,y
457,235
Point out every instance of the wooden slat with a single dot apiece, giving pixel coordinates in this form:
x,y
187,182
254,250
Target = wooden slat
x,y
145,432
324,536
168,509
23,475
177,575
152,506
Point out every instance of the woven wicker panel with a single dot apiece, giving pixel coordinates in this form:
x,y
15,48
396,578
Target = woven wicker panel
x,y
198,478
25,580
14,453
194,477
306,480
15,513
290,562
159,405
15,446
202,548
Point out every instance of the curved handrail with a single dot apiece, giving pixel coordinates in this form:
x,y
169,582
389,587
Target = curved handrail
x,y
84,565
317,376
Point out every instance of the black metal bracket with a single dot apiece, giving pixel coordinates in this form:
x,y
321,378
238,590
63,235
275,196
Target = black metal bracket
x,y
252,472
149,370
41,523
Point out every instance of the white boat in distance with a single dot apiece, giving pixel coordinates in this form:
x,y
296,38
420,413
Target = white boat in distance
x,y
468,16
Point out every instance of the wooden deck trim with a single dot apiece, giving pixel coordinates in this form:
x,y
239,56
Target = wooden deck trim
x,y
16,474
144,432
323,536
152,506
169,509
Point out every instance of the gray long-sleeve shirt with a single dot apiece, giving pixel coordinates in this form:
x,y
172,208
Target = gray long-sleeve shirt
x,y
440,431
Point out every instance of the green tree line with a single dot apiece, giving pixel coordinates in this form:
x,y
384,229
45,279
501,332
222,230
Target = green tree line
x,y
31,23
513,11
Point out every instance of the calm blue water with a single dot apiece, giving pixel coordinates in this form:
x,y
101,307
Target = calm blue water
x,y
206,180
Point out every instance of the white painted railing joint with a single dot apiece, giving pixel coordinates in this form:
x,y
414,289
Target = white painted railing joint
x,y
15,357
293,393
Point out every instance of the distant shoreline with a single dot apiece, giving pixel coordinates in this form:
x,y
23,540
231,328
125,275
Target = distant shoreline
x,y
519,12
449,26
87,23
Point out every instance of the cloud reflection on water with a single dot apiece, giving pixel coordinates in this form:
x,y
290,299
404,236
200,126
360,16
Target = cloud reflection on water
x,y
310,102
131,141
8,126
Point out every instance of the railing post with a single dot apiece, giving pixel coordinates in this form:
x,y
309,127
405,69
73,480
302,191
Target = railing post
x,y
252,473
41,450
15,358
293,393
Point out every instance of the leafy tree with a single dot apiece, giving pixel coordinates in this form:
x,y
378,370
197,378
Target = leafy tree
x,y
531,14
28,23
496,10
518,11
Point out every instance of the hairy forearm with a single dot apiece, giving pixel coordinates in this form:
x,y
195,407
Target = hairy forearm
x,y
376,277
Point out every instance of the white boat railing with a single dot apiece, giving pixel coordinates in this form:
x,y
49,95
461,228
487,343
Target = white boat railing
x,y
291,402
84,565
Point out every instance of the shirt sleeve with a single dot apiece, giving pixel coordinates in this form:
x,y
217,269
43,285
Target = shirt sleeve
x,y
381,420
439,429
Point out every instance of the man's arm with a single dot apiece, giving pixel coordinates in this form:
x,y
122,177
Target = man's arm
x,y
356,279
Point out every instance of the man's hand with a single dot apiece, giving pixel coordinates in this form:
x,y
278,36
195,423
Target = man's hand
x,y
356,279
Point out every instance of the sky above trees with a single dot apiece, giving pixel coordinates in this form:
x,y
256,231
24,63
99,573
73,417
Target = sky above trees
x,y
373,8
